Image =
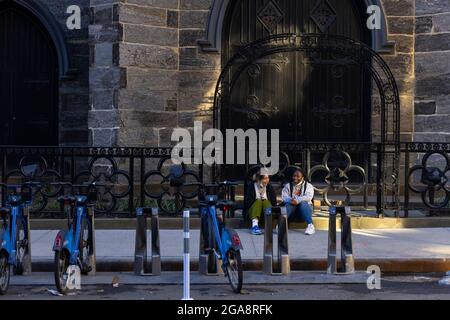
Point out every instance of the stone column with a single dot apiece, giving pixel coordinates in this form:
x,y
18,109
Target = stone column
x,y
400,18
148,56
432,67
105,73
199,70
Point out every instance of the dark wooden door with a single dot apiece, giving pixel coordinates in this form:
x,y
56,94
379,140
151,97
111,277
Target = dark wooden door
x,y
28,80
309,97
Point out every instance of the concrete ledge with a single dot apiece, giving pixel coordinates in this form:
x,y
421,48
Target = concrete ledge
x,y
176,278
386,265
237,223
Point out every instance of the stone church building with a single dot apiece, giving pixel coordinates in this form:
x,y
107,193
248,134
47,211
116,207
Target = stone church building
x,y
136,69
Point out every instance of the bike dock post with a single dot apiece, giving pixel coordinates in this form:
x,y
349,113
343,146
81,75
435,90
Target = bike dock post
x,y
140,252
91,259
347,259
27,257
205,266
284,266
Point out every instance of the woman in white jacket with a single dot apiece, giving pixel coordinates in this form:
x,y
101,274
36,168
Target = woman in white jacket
x,y
297,196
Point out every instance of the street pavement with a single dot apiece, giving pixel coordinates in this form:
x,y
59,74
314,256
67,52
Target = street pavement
x,y
406,287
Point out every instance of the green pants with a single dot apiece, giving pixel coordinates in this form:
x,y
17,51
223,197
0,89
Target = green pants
x,y
258,208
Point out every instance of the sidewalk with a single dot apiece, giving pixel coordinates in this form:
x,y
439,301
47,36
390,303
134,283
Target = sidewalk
x,y
394,250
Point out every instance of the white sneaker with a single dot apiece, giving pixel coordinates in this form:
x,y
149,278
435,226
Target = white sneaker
x,y
310,230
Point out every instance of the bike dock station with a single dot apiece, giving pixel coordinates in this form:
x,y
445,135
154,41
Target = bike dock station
x,y
281,265
26,262
347,260
140,251
92,262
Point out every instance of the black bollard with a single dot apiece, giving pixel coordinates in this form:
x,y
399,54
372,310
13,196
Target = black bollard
x,y
27,256
92,254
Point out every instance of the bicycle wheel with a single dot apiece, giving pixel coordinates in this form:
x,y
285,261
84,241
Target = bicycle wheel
x,y
21,248
61,275
85,246
234,269
5,272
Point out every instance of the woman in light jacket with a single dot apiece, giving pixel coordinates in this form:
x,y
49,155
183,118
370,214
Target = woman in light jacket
x,y
298,196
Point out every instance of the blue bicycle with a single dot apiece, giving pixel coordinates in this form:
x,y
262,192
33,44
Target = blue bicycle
x,y
15,231
74,245
224,243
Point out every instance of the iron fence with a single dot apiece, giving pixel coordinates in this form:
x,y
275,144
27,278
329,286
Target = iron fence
x,y
130,177
365,176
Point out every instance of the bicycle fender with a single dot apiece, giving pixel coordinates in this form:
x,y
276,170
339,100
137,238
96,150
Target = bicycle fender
x,y
59,241
4,241
231,239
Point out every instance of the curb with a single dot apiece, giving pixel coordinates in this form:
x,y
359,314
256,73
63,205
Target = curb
x,y
386,265
358,223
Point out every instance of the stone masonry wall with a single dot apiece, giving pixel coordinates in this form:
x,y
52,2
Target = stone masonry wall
x,y
167,81
432,64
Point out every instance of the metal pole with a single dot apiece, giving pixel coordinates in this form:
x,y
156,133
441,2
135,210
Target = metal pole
x,y
186,258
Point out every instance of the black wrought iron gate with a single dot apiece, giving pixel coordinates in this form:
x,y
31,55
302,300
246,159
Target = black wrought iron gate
x,y
311,96
386,121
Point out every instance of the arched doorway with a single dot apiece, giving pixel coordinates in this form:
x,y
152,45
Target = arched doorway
x,y
309,96
28,79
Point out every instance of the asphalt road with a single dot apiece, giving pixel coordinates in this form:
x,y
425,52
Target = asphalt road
x,y
423,287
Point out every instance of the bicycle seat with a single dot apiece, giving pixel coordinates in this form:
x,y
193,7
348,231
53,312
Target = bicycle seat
x,y
65,199
81,200
225,204
15,200
209,200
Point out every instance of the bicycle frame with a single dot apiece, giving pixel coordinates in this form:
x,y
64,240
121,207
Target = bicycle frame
x,y
225,240
69,239
9,240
